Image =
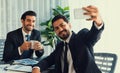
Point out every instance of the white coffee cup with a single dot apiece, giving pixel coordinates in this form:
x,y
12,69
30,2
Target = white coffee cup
x,y
33,42
79,14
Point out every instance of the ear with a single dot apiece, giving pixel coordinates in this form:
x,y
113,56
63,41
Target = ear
x,y
22,20
70,25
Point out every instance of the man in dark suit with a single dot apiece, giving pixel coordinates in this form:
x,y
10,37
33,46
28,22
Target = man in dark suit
x,y
18,45
80,57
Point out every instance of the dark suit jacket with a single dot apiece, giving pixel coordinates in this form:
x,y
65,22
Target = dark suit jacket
x,y
81,48
14,40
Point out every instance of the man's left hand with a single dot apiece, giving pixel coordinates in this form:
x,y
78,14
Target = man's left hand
x,y
93,12
38,46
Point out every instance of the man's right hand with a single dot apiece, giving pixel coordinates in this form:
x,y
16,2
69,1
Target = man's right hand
x,y
36,70
25,46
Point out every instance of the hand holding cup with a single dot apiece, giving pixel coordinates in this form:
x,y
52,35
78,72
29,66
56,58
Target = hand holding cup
x,y
36,45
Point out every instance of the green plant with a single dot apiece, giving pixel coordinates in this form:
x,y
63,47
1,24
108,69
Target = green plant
x,y
48,32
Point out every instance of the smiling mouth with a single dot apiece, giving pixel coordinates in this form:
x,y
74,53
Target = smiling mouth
x,y
30,26
62,31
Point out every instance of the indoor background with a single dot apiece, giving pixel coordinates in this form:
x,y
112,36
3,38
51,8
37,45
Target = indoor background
x,y
11,11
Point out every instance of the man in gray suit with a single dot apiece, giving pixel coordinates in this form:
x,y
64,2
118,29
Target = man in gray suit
x,y
18,45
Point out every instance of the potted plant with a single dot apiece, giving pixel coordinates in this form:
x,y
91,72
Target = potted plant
x,y
48,33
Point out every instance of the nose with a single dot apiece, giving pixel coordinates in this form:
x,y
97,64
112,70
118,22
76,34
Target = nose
x,y
31,23
60,28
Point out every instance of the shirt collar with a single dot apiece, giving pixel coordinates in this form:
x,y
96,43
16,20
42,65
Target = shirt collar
x,y
24,33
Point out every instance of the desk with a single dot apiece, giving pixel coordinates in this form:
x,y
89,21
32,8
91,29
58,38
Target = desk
x,y
5,68
4,65
11,72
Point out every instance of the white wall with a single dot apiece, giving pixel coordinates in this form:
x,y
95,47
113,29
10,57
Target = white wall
x,y
110,12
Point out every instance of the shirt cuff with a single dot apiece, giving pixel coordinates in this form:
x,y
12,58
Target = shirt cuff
x,y
36,67
20,53
98,27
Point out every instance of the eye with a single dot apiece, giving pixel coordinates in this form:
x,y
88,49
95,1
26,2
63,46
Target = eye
x,y
56,28
33,21
28,20
62,25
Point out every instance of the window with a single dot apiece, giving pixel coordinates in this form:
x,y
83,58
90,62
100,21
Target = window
x,y
11,11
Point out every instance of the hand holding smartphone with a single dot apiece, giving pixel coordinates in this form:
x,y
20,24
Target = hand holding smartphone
x,y
79,14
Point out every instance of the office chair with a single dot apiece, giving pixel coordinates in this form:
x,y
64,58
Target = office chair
x,y
1,47
106,62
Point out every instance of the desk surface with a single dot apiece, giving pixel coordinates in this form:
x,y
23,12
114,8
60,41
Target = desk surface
x,y
3,70
4,66
12,72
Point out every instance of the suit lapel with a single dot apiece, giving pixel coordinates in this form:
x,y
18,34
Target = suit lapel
x,y
20,36
58,57
72,45
32,35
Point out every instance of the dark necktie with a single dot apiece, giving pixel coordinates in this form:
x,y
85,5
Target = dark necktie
x,y
26,54
65,69
28,37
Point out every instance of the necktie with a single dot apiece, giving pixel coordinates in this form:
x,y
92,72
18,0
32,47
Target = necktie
x,y
28,37
65,69
26,53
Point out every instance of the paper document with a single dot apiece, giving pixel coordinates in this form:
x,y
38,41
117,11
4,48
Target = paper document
x,y
2,67
22,68
25,61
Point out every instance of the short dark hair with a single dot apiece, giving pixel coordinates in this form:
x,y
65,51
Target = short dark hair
x,y
59,17
30,13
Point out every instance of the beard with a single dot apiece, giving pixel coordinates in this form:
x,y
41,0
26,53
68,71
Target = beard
x,y
64,34
28,27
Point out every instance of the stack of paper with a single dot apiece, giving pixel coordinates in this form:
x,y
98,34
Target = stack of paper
x,y
18,66
2,67
25,61
22,68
